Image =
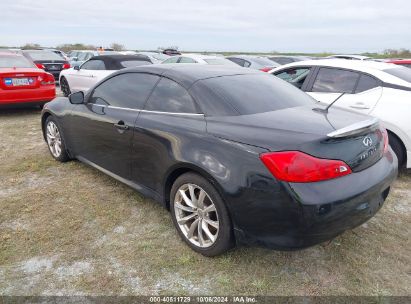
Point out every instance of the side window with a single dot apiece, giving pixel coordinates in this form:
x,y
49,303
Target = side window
x,y
246,63
129,90
187,60
94,65
172,59
366,83
169,96
295,76
331,80
238,61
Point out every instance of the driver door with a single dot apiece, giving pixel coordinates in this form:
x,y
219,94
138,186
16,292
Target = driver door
x,y
101,129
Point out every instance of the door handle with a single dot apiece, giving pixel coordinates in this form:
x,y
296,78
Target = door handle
x,y
121,125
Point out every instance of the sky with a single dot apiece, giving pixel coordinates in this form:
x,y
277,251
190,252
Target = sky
x,y
344,26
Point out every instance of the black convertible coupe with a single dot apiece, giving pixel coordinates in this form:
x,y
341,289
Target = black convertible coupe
x,y
237,155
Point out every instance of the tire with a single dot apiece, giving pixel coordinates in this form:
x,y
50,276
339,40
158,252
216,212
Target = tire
x,y
65,87
215,235
398,149
55,141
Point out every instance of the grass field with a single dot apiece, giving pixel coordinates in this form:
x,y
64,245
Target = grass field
x,y
67,229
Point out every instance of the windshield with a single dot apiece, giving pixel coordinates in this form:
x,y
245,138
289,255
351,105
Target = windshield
x,y
43,55
253,93
133,63
15,62
400,72
219,61
159,56
264,61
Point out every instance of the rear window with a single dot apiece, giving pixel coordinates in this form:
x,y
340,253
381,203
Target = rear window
x,y
15,62
133,63
43,55
400,72
250,94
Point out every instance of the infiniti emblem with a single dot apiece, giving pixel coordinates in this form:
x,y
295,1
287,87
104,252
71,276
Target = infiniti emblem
x,y
367,141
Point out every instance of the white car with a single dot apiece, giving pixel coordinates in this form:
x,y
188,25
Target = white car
x,y
379,89
198,58
82,78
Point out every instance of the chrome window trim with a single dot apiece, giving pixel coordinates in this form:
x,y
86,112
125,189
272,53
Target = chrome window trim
x,y
148,111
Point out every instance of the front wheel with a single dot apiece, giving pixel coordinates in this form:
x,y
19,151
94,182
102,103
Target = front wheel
x,y
55,140
200,215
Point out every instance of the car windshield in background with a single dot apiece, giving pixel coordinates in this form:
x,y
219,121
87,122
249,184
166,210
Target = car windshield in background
x,y
400,72
219,61
43,55
133,63
160,56
264,61
15,62
255,93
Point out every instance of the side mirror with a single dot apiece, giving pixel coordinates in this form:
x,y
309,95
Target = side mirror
x,y
76,67
76,98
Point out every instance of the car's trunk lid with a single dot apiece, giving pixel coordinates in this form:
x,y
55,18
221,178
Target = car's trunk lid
x,y
20,78
305,130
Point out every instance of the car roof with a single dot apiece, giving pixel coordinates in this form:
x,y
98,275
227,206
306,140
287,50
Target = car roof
x,y
187,74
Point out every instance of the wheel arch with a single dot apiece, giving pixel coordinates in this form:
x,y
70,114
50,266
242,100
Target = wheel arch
x,y
180,169
43,123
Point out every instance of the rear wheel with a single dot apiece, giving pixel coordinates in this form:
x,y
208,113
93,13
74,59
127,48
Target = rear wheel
x,y
64,86
55,140
200,215
398,149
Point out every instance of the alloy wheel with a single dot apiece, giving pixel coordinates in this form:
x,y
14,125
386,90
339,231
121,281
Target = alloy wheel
x,y
53,139
196,215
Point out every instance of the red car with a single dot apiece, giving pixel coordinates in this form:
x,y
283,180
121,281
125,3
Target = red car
x,y
21,82
403,62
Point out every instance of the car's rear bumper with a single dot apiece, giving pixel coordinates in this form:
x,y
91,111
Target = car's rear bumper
x,y
10,97
311,213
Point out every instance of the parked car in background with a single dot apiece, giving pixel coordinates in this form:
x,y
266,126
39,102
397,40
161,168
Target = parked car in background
x,y
171,52
200,59
282,59
83,56
48,61
21,82
154,56
403,62
237,155
349,57
379,89
254,62
82,78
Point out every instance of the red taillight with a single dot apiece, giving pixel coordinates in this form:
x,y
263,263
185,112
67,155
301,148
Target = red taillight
x,y
40,66
46,79
385,138
298,167
66,66
266,69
